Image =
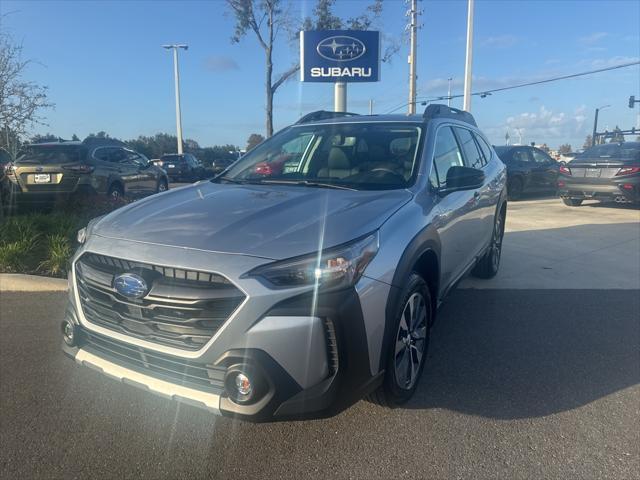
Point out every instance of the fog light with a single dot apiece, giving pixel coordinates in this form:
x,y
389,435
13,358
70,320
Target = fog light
x,y
68,333
243,385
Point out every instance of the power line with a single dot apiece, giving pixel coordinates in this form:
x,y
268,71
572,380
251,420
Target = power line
x,y
484,93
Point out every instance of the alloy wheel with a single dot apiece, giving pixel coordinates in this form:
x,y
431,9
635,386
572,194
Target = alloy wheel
x,y
496,244
411,341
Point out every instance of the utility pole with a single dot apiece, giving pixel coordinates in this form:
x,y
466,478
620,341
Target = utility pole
x,y
449,91
413,32
469,59
176,76
371,106
595,124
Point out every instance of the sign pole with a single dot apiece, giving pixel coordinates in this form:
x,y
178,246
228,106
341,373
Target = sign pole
x,y
469,59
340,97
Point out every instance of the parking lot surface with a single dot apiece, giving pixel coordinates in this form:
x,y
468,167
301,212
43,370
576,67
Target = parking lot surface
x,y
526,378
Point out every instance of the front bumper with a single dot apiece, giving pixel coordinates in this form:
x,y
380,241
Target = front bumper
x,y
310,352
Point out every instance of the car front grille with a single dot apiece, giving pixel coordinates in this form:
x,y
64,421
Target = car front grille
x,y
165,367
183,308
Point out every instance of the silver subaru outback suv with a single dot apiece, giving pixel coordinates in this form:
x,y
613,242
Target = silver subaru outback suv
x,y
303,278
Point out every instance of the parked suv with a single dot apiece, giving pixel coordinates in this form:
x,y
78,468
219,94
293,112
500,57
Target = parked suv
x,y
529,170
293,292
182,167
46,172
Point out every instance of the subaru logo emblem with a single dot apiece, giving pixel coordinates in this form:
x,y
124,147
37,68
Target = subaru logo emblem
x,y
130,285
341,48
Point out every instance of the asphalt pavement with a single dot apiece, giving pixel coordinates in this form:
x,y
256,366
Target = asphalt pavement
x,y
519,384
533,374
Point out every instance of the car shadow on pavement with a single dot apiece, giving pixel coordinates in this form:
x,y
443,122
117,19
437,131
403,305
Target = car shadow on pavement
x,y
509,354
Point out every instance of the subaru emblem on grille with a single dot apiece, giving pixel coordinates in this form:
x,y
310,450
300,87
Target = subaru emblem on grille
x,y
130,285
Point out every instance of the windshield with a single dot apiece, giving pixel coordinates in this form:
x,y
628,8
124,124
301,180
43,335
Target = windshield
x,y
355,155
172,158
50,154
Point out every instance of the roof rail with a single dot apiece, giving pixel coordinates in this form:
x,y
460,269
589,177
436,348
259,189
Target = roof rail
x,y
437,110
322,115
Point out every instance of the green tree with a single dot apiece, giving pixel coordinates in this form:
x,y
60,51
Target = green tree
x,y
253,140
564,148
47,137
270,19
617,136
75,138
587,142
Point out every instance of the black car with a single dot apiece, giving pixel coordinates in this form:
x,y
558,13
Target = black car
x,y
182,167
529,170
609,172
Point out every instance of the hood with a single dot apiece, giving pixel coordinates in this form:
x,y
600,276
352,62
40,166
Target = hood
x,y
273,222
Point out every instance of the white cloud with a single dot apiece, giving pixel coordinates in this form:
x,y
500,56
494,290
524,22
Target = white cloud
x,y
593,38
546,125
499,41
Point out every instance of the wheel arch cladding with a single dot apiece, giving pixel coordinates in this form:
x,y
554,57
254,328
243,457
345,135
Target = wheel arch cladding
x,y
422,256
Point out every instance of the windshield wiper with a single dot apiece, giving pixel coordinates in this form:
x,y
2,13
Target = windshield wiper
x,y
308,183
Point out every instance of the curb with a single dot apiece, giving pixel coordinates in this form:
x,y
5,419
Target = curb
x,y
17,282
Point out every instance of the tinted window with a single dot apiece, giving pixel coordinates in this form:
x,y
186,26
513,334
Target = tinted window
x,y
627,152
521,155
484,146
472,156
172,158
540,157
50,154
446,155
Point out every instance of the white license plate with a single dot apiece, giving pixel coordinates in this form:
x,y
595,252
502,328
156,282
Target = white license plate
x,y
171,166
42,178
592,172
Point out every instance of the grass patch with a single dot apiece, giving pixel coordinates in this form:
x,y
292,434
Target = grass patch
x,y
43,243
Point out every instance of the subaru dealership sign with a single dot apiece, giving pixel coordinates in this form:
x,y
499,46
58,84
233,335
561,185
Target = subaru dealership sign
x,y
340,56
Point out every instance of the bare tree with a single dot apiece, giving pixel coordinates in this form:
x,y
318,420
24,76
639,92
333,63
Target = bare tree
x,y
268,19
21,101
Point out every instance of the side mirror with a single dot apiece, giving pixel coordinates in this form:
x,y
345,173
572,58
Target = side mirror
x,y
463,178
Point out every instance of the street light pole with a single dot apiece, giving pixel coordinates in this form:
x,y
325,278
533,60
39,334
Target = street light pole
x,y
469,59
176,76
413,32
595,124
449,91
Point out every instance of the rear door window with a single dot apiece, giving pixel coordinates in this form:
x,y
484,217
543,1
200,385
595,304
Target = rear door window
x,y
472,155
540,157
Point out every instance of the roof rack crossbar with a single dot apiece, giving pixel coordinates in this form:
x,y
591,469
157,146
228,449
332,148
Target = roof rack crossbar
x,y
438,110
322,115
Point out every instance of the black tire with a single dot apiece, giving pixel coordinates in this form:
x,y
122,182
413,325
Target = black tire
x,y
115,193
515,187
395,390
163,186
572,202
489,265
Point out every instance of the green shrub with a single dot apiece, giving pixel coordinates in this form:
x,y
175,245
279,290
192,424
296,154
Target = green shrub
x,y
58,253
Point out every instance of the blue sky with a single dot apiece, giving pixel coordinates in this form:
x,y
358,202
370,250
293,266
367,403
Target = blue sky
x,y
105,69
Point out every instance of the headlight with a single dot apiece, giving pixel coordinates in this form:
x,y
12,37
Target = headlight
x,y
333,268
84,233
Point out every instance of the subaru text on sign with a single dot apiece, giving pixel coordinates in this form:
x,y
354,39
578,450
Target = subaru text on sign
x,y
340,56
